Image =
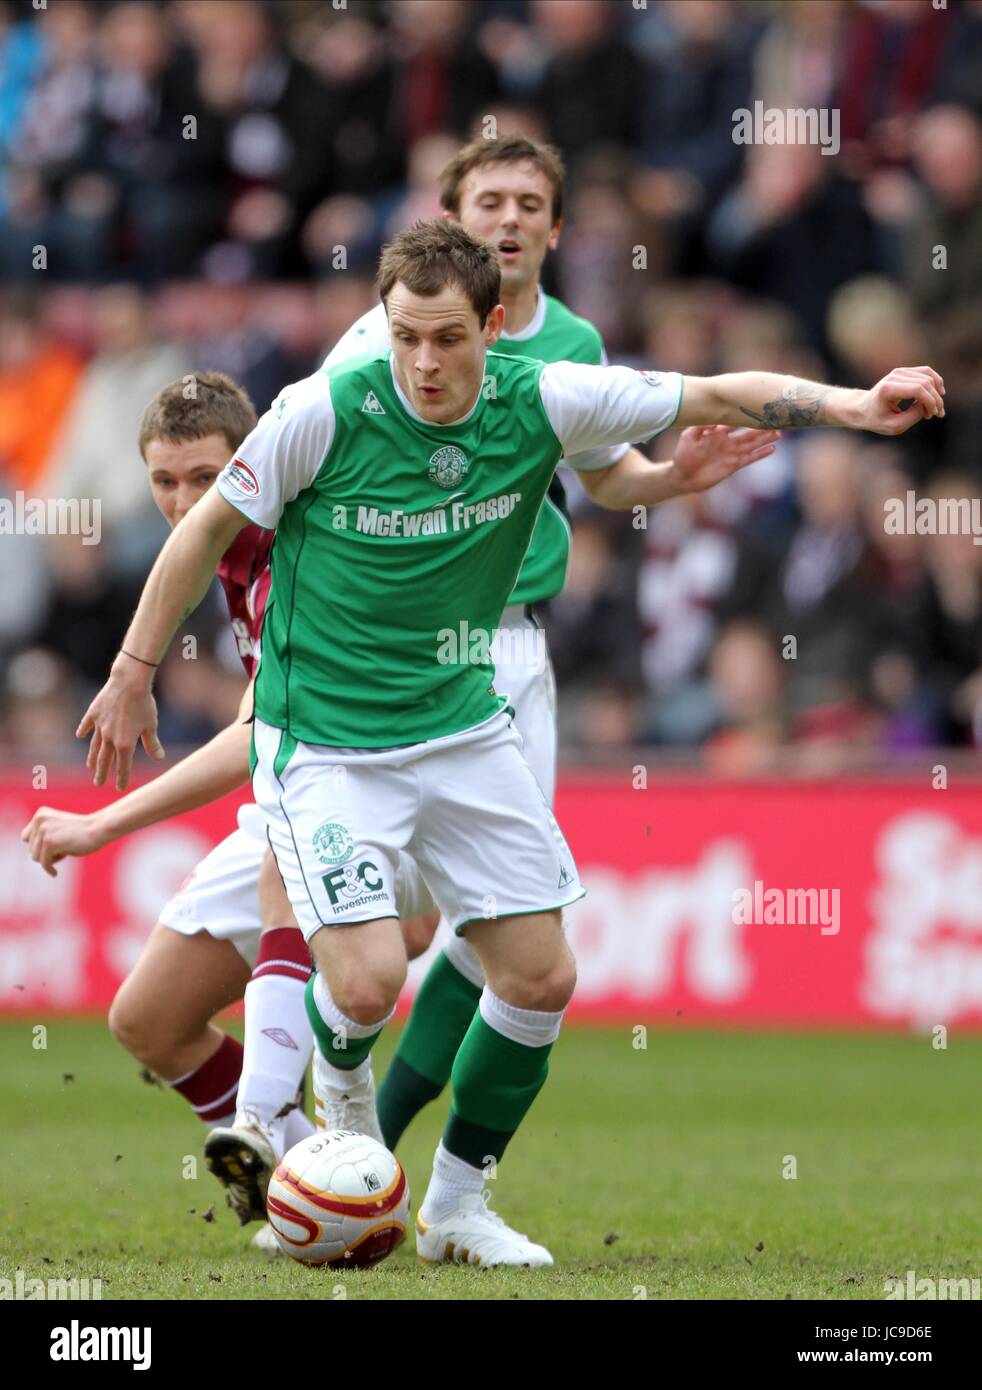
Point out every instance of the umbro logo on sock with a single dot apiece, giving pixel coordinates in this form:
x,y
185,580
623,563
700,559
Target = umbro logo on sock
x,y
281,1036
372,405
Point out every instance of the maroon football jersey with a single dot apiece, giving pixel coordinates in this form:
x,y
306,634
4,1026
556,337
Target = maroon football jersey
x,y
244,574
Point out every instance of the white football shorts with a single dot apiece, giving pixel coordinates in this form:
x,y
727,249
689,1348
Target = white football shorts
x,y
523,672
467,809
221,894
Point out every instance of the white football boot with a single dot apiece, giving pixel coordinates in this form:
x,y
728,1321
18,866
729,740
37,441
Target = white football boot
x,y
475,1235
348,1107
242,1157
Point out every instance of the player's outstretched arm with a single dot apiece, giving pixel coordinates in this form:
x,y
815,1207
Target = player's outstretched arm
x,y
703,457
770,401
208,774
124,711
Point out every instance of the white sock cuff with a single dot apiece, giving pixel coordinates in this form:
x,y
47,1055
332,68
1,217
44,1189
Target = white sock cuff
x,y
456,1171
335,1019
464,958
525,1026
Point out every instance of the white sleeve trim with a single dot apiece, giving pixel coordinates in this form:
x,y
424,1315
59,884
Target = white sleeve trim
x,y
592,459
283,454
599,407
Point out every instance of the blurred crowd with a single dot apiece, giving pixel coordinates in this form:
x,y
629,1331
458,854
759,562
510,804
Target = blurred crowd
x,y
206,183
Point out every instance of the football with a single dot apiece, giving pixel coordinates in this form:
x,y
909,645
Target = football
x,y
338,1198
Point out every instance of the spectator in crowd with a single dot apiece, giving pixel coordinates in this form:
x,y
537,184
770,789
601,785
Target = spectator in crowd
x,y
894,55
38,382
229,337
798,59
593,639
698,76
746,681
24,583
811,585
954,623
51,199
88,610
96,455
357,66
590,89
598,263
897,617
958,78
792,230
240,161
942,240
156,143
443,79
39,709
273,110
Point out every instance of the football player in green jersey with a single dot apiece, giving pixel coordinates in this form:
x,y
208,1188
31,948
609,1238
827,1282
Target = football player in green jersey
x,y
509,192
404,495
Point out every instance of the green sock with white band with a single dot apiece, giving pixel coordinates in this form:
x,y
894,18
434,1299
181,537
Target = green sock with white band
x,y
342,1043
500,1068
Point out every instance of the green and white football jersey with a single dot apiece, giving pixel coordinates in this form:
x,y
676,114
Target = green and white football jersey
x,y
397,539
554,334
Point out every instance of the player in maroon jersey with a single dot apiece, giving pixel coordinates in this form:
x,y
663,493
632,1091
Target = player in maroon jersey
x,y
229,931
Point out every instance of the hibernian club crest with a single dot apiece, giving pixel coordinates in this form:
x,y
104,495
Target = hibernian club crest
x,y
333,843
447,466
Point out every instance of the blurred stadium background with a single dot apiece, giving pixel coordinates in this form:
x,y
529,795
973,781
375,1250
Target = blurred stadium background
x,y
695,757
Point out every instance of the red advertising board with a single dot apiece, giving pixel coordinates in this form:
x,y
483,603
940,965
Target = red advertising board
x,y
809,904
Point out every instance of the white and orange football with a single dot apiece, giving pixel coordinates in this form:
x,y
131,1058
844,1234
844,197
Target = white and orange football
x,y
338,1198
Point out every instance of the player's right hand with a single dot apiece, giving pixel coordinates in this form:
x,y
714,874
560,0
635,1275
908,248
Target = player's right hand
x,y
50,835
123,713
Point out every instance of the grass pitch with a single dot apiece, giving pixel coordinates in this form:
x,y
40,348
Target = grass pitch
x,y
654,1173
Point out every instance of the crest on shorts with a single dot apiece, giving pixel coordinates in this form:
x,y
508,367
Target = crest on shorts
x,y
333,843
447,466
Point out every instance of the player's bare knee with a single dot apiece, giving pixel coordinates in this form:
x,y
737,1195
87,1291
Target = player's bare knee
x,y
546,991
555,990
365,1005
136,1032
418,933
125,1027
365,999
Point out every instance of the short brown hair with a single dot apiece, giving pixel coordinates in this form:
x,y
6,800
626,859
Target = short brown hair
x,y
431,255
510,149
200,404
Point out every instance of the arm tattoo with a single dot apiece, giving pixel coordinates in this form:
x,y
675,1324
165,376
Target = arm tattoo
x,y
798,406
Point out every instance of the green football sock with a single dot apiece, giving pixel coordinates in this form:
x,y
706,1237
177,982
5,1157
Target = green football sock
x,y
341,1051
495,1080
440,1017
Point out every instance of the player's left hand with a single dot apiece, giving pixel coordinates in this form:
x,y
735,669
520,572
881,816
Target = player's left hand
x,y
50,835
904,397
706,454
